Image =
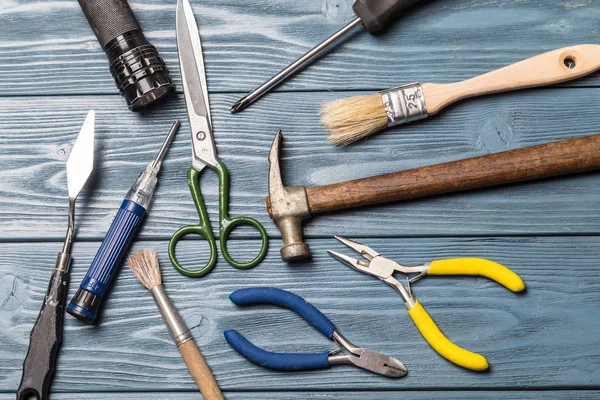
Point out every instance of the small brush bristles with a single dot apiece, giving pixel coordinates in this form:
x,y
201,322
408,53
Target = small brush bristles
x,y
144,265
351,119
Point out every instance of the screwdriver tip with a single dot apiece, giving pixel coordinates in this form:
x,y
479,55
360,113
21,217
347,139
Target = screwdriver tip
x,y
239,105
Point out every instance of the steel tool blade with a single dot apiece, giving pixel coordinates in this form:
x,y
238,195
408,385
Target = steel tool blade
x,y
81,160
195,90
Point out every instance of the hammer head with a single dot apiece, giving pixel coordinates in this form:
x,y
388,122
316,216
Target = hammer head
x,y
288,207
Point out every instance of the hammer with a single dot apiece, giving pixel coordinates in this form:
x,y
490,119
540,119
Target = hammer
x,y
289,206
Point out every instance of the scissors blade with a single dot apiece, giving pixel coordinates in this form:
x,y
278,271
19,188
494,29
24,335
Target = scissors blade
x,y
195,89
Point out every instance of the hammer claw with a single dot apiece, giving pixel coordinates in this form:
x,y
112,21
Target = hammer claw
x,y
288,207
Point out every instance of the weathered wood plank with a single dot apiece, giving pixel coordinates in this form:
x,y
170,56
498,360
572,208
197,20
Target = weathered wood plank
x,y
372,395
36,135
543,338
245,43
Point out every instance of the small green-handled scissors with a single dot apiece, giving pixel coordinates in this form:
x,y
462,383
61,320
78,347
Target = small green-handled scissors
x,y
193,77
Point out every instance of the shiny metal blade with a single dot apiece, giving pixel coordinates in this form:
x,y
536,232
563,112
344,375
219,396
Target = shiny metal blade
x,y
195,89
81,160
379,363
365,251
350,261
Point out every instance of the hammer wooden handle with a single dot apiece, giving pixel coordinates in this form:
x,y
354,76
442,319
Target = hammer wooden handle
x,y
200,371
549,68
547,160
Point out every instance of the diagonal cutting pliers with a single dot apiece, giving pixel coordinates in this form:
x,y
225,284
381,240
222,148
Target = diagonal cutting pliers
x,y
384,269
363,358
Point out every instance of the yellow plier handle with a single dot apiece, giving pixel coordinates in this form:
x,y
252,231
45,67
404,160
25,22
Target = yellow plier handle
x,y
432,334
384,269
478,267
440,343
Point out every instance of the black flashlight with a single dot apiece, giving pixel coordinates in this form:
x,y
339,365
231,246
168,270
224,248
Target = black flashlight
x,y
139,72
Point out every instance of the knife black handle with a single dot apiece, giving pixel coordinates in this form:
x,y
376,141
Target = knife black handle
x,y
377,14
46,335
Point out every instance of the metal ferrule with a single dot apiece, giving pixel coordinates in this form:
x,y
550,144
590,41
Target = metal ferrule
x,y
172,319
404,104
62,262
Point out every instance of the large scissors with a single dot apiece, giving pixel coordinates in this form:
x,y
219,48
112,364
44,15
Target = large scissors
x,y
193,77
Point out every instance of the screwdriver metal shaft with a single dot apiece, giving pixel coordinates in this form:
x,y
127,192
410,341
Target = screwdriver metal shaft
x,y
375,15
294,67
88,299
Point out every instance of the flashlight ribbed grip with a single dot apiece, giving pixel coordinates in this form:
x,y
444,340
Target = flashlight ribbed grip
x,y
109,18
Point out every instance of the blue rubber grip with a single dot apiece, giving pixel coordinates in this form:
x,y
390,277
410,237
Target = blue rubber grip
x,y
278,361
283,298
114,246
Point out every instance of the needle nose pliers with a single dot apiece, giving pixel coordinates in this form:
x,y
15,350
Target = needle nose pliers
x,y
384,269
363,358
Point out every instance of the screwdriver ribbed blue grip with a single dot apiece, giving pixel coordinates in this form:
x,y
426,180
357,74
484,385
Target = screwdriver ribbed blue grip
x,y
86,303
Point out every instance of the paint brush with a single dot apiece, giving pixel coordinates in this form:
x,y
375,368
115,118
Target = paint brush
x,y
351,119
146,268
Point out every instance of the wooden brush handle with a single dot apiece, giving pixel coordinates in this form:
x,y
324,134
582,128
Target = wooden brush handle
x,y
559,158
200,371
541,70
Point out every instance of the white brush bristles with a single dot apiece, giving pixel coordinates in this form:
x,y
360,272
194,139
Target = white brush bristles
x,y
144,265
351,119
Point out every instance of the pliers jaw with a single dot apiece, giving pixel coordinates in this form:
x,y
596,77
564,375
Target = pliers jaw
x,y
364,358
380,267
364,251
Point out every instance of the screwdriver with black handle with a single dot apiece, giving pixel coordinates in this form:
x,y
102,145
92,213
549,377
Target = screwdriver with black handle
x,y
375,15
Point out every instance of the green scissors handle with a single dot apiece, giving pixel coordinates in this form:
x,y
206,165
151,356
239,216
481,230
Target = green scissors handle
x,y
226,225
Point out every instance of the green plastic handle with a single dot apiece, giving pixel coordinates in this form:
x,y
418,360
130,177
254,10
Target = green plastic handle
x,y
226,225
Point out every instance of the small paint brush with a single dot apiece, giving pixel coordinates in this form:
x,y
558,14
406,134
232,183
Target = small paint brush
x,y
146,268
351,119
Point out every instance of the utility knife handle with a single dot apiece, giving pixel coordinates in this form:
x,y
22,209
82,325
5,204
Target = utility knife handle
x,y
548,68
45,338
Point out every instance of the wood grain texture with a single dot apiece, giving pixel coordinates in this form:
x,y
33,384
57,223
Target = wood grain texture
x,y
337,395
36,135
536,340
554,67
536,162
200,371
245,43
542,344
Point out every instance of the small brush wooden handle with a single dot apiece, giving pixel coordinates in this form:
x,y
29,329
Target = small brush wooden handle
x,y
542,161
544,69
200,371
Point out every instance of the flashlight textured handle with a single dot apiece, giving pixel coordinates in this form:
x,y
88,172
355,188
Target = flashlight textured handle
x,y
46,335
109,18
377,14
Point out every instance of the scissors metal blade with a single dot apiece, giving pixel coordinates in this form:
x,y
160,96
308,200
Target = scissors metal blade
x,y
195,89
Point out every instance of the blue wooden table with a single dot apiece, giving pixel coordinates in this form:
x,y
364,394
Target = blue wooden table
x,y
542,344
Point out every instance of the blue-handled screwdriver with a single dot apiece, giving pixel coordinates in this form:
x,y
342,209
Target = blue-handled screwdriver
x,y
86,303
